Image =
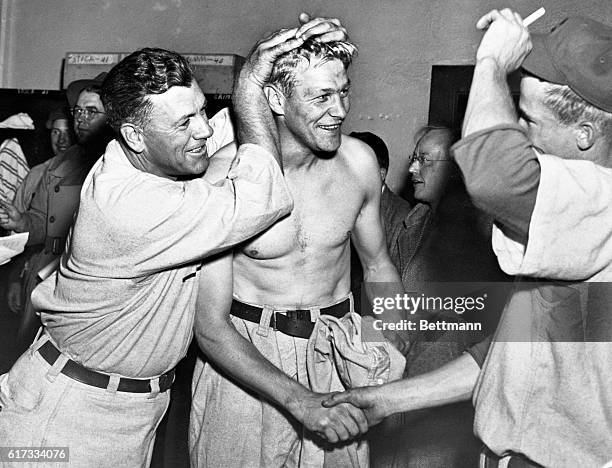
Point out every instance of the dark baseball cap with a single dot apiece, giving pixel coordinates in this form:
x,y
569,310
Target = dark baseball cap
x,y
74,89
577,53
56,114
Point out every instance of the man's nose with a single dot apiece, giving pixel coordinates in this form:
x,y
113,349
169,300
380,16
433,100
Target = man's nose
x,y
202,128
415,167
339,107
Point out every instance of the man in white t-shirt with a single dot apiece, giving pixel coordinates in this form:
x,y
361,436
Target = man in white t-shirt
x,y
542,395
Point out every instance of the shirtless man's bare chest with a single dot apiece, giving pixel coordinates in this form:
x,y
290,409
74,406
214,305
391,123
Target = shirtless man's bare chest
x,y
304,258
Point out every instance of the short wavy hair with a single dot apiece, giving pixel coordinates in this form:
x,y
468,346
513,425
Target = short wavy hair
x,y
140,74
569,108
310,52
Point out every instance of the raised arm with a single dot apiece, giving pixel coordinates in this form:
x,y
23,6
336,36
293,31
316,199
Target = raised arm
x,y
499,166
253,115
502,50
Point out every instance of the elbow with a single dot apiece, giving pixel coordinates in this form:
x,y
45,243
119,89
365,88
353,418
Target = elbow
x,y
211,339
206,335
211,333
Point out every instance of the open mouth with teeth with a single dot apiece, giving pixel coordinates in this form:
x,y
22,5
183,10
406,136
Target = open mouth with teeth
x,y
199,150
330,128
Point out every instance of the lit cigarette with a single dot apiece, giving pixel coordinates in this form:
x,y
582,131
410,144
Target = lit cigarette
x,y
536,15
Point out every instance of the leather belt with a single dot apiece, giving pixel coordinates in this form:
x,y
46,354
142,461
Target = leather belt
x,y
290,322
96,379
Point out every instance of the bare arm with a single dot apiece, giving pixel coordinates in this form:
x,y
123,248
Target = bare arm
x,y
238,357
502,50
452,382
369,236
381,278
254,121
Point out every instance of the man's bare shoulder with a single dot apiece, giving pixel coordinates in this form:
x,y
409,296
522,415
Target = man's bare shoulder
x,y
220,163
359,158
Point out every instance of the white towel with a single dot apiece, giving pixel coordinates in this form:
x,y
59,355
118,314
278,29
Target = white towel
x,y
21,121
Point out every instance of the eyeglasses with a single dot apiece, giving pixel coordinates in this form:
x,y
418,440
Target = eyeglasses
x,y
423,158
86,113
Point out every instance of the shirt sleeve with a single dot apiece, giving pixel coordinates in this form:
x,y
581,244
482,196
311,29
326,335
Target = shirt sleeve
x,y
502,174
569,234
36,215
166,223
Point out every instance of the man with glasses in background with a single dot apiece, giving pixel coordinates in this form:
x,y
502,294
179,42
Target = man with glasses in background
x,y
56,198
430,164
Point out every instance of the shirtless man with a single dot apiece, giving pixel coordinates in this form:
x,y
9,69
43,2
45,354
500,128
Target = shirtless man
x,y
300,266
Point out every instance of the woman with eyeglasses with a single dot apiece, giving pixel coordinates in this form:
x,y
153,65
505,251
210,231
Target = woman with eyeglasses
x,y
50,214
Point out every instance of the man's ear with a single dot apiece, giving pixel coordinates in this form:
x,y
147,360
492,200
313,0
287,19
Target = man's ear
x,y
276,99
586,134
133,137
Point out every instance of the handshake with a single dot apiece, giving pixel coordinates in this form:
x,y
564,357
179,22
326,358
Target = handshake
x,y
341,416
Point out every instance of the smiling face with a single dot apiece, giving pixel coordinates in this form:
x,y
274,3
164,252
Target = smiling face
x,y
61,137
544,131
175,136
318,105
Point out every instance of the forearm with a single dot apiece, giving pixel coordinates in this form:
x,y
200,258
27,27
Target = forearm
x,y
241,360
254,120
489,102
227,348
385,282
450,383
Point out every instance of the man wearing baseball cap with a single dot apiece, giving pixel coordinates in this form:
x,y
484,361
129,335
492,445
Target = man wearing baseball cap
x,y
541,390
51,211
